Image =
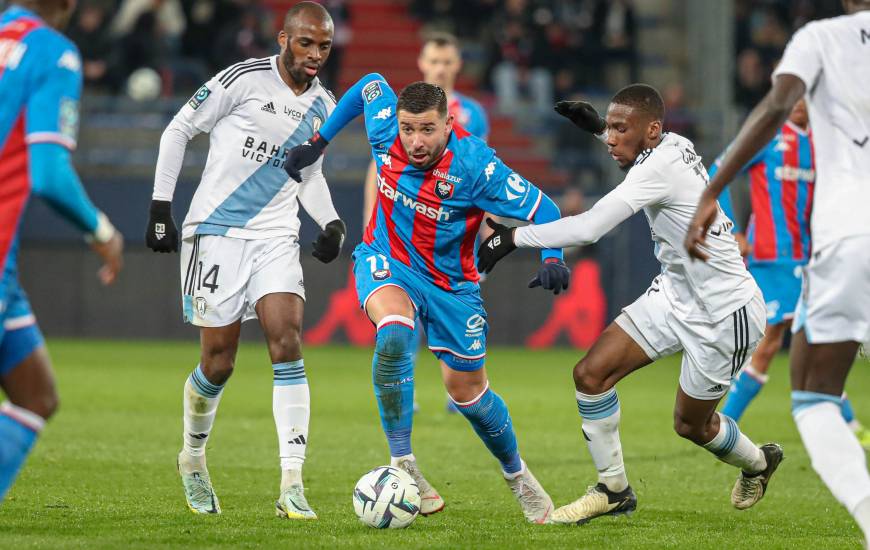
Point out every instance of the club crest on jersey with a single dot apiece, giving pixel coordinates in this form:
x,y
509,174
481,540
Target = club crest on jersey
x,y
443,189
199,97
316,123
201,305
381,274
372,91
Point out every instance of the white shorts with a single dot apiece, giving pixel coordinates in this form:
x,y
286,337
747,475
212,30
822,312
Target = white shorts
x,y
835,298
222,277
713,353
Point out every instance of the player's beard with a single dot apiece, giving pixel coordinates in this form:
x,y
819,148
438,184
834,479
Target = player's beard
x,y
296,72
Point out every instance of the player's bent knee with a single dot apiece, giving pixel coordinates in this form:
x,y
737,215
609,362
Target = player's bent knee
x,y
287,346
688,429
588,379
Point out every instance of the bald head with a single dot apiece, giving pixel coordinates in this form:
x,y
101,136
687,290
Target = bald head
x,y
311,11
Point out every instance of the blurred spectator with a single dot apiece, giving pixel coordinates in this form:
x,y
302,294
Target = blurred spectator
x,y
169,20
752,79
89,31
206,20
678,116
249,36
340,13
615,21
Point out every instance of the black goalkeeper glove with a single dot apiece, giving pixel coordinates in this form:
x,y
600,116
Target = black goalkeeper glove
x,y
328,243
495,247
304,155
583,115
552,275
161,234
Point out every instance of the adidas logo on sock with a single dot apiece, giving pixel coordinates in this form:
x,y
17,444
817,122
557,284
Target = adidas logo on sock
x,y
268,107
298,441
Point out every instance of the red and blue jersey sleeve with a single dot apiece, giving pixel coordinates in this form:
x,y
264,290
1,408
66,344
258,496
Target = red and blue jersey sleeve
x,y
379,109
52,108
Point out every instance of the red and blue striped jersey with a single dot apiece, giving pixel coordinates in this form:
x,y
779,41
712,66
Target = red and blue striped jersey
x,y
781,181
428,219
40,85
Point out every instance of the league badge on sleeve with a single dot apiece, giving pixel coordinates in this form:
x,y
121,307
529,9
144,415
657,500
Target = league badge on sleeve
x,y
443,189
199,97
372,91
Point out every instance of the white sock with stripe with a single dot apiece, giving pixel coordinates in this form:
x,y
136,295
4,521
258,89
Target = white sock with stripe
x,y
601,414
732,447
201,399
291,407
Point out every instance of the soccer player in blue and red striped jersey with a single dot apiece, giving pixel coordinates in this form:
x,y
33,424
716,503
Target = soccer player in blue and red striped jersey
x,y
40,84
417,261
776,242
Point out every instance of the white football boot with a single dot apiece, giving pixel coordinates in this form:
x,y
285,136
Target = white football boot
x,y
198,491
292,503
430,501
536,504
749,488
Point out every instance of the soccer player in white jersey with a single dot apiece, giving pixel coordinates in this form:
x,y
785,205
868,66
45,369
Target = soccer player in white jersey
x,y
713,312
239,249
828,63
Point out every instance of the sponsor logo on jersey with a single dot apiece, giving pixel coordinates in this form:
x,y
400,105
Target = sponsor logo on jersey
x,y
400,198
489,170
794,173
381,274
268,107
474,325
516,183
383,114
689,156
372,91
199,97
263,152
293,113
444,175
70,60
443,189
11,53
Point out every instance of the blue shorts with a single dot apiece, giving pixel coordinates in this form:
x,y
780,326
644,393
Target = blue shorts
x,y
781,286
454,322
19,333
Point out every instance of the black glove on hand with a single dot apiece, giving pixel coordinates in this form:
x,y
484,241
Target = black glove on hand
x,y
161,234
495,247
552,275
583,115
304,155
328,243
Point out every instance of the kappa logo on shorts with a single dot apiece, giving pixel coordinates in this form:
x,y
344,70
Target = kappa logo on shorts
x,y
201,305
475,346
444,189
381,274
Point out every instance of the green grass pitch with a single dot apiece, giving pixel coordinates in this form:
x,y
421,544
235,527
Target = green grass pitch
x,y
103,474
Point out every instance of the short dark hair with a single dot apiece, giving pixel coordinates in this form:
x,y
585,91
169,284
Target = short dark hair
x,y
441,39
420,97
312,8
642,97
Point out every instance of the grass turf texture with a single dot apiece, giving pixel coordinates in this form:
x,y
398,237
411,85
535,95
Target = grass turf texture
x,y
103,474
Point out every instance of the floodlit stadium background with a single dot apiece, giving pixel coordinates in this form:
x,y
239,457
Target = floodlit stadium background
x,y
711,59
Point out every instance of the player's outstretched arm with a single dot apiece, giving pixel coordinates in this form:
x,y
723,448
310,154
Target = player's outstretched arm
x,y
315,198
55,181
759,128
351,105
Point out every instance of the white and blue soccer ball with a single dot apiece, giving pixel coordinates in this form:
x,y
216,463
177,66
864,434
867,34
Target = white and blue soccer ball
x,y
386,497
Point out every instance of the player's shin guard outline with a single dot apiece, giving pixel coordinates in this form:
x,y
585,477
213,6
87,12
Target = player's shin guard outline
x,y
491,420
201,399
393,380
600,414
291,409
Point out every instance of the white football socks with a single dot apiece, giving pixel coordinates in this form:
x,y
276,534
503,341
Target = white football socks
x,y
837,457
291,407
732,447
601,414
201,399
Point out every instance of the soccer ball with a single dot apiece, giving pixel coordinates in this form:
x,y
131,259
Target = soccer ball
x,y
386,497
